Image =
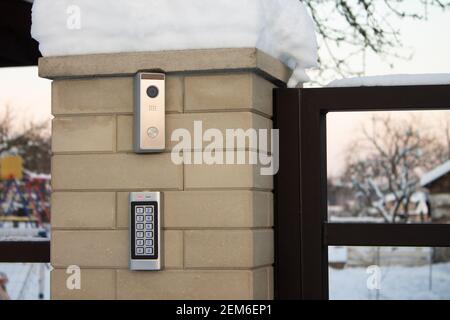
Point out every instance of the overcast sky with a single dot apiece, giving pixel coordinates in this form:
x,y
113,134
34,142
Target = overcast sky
x,y
29,96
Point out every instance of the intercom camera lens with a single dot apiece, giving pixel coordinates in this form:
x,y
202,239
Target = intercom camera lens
x,y
152,91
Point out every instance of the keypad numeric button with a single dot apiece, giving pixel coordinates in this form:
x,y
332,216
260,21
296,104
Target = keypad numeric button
x,y
139,210
148,209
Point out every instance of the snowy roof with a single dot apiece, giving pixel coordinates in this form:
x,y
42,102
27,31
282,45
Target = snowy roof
x,y
415,197
393,80
37,176
282,29
435,174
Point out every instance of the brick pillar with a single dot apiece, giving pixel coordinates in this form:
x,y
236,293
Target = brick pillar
x,y
217,219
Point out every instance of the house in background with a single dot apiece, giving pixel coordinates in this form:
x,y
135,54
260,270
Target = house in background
x,y
437,182
341,198
431,204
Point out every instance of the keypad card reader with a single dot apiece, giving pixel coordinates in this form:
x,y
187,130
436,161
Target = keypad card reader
x,y
145,231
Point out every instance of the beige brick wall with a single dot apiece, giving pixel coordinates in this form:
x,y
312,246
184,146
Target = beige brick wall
x,y
217,219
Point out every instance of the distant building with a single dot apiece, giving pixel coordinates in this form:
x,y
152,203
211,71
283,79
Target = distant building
x,y
437,182
341,198
418,211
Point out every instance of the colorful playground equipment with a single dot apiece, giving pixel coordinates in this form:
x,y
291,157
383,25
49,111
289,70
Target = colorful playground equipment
x,y
24,200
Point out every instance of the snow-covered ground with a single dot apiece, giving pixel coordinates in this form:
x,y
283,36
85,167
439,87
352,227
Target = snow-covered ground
x,y
24,232
398,283
393,80
281,28
24,280
408,283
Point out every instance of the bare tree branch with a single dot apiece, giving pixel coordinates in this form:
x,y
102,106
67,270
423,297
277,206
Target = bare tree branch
x,y
384,167
32,143
363,26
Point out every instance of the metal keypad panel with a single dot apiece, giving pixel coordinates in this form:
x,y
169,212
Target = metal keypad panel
x,y
146,237
145,240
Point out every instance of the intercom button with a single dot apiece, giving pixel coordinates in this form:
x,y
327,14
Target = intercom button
x,y
149,234
149,209
140,210
139,234
139,250
149,242
149,218
148,250
140,218
149,226
153,132
139,226
139,242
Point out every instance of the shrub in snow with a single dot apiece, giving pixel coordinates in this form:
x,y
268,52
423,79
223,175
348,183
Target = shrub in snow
x,y
281,28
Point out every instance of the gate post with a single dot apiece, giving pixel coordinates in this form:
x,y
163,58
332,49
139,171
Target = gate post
x,y
301,260
218,219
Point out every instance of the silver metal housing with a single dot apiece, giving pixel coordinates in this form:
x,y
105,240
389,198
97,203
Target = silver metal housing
x,y
147,264
149,113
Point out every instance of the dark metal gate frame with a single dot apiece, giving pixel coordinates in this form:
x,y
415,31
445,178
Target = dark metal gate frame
x,y
25,251
302,233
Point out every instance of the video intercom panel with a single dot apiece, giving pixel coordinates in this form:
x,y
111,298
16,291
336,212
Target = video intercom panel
x,y
145,231
149,112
